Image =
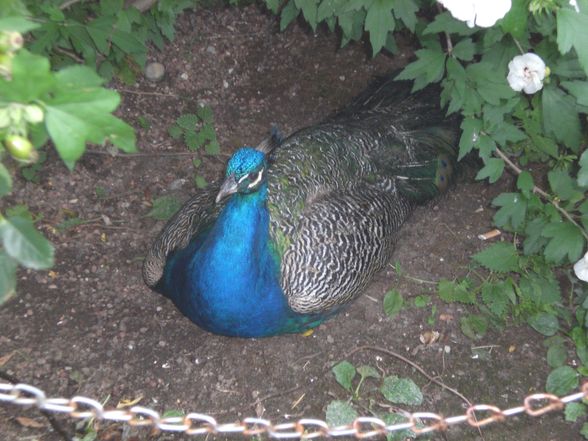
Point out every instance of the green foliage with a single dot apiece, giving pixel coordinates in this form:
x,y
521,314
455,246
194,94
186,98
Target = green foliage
x,y
394,389
393,302
164,207
197,131
340,413
401,391
69,106
104,34
344,374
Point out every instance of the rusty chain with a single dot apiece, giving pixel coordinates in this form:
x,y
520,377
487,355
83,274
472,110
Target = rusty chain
x,y
305,428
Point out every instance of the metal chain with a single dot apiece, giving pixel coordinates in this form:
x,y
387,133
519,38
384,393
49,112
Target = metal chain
x,y
477,415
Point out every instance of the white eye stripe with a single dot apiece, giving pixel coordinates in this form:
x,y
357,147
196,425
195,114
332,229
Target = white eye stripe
x,y
257,180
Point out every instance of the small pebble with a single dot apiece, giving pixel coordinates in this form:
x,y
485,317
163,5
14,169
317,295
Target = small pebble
x,y
184,76
211,50
154,71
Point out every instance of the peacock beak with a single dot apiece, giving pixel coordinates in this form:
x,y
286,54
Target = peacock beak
x,y
228,187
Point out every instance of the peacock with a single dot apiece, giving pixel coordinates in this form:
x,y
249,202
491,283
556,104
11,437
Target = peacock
x,y
299,225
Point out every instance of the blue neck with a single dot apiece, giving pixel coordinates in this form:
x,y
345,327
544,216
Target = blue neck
x,y
228,279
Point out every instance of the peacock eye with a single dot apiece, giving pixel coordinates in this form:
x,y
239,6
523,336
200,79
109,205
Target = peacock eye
x,y
254,178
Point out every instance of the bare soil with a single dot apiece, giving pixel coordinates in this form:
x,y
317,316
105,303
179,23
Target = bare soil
x,y
92,328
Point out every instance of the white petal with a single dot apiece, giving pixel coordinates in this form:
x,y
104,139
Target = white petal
x,y
462,10
581,268
489,12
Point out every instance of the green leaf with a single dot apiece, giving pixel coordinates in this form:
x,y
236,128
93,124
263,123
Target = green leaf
x,y
544,323
379,22
192,140
401,391
393,302
456,292
83,115
25,244
513,210
201,182
515,22
289,13
584,430
496,296
470,134
564,186
399,435
368,372
18,24
541,289
329,8
579,89
351,23
340,413
565,239
205,114
474,326
213,147
164,207
421,301
493,168
500,257
444,22
464,50
574,411
273,5
187,121
31,78
560,117
175,131
562,380
525,181
582,178
491,87
406,11
5,181
556,356
428,68
309,11
344,374
572,31
7,276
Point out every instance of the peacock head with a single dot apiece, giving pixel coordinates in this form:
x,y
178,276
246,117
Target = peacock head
x,y
245,172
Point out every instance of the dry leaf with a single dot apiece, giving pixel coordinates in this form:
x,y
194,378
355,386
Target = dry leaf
x,y
128,403
4,359
429,337
446,317
29,422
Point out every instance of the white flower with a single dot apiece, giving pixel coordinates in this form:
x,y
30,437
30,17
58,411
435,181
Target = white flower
x,y
483,13
574,3
581,268
526,72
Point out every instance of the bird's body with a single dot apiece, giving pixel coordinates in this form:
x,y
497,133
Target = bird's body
x,y
308,220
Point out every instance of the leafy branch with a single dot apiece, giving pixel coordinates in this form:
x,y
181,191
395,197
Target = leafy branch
x,y
517,170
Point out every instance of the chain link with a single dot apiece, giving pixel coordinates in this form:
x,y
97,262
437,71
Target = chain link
x,y
306,428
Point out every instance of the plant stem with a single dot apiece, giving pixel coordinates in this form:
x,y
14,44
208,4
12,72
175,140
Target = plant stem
x,y
541,192
519,46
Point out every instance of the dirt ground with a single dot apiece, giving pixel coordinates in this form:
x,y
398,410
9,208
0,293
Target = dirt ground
x,y
92,328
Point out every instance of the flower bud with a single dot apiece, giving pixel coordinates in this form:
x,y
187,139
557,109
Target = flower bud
x,y
10,41
21,149
33,114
